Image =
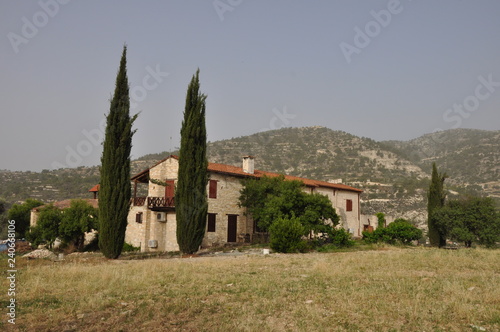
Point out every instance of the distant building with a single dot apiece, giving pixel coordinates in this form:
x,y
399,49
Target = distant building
x,y
64,204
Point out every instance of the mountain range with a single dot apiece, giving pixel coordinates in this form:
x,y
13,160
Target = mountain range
x,y
393,174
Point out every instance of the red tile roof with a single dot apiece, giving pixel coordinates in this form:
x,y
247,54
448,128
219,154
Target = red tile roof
x,y
95,188
238,171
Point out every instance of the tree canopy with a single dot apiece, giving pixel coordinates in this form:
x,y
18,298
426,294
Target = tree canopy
x,y
46,230
191,204
21,213
469,220
435,200
68,225
78,219
271,198
115,190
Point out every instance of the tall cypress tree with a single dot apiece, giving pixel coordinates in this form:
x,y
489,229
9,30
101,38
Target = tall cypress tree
x,y
191,194
435,200
115,191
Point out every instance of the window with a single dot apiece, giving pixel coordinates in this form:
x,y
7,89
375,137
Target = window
x,y
232,227
138,217
212,189
211,222
348,206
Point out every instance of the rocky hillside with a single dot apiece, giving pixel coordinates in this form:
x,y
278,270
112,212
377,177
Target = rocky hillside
x,y
469,157
393,174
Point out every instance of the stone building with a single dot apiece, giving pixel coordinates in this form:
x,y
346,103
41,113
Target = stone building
x,y
152,222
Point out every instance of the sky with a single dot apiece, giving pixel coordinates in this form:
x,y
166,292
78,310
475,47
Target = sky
x,y
387,70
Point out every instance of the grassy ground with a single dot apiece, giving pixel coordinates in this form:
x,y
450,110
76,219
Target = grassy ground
x,y
390,289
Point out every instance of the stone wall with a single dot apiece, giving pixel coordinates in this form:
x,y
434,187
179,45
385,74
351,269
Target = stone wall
x,y
136,232
349,220
166,170
226,203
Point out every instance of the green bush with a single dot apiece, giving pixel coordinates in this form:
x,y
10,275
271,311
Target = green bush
x,y
402,231
286,235
341,238
399,231
378,235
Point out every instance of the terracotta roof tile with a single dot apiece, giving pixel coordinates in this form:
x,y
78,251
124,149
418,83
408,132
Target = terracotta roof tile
x,y
238,171
95,188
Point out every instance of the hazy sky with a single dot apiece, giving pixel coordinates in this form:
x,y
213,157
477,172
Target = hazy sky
x,y
379,69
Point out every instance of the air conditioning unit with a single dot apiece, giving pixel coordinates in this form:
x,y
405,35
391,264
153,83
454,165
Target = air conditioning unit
x,y
161,217
153,244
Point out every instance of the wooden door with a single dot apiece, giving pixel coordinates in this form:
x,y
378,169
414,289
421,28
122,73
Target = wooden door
x,y
232,222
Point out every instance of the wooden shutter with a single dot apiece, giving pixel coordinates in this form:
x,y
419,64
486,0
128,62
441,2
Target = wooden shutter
x,y
170,189
212,189
348,205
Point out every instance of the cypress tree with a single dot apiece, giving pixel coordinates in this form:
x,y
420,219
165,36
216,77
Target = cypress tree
x,y
191,194
115,191
435,200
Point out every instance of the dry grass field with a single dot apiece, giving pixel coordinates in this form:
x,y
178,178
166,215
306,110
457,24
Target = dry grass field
x,y
389,289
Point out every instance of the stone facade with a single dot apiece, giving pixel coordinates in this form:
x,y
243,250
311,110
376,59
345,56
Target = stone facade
x,y
153,228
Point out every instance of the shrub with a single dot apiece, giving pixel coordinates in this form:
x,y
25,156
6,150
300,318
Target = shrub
x,y
79,218
46,230
341,238
286,235
402,231
378,235
399,231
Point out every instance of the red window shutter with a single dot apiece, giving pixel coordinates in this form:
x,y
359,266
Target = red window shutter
x,y
348,205
170,188
211,222
212,189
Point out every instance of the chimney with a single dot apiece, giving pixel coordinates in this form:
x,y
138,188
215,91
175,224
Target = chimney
x,y
248,164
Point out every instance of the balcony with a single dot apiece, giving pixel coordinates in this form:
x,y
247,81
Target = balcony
x,y
155,203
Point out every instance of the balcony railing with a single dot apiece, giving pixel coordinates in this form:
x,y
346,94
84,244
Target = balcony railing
x,y
154,203
161,202
138,201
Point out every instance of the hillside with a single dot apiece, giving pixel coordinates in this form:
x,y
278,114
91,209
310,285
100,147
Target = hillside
x,y
393,174
470,157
